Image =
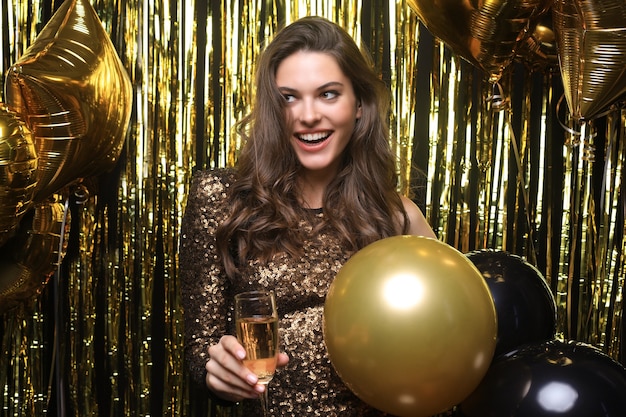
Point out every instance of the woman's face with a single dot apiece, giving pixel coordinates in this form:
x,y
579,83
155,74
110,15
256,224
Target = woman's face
x,y
322,109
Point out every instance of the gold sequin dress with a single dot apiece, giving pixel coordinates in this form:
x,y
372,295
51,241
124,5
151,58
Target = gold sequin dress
x,y
308,385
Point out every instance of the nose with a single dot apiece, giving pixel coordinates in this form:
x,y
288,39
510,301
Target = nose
x,y
309,113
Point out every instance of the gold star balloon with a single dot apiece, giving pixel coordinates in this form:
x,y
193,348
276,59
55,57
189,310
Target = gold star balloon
x,y
74,93
69,101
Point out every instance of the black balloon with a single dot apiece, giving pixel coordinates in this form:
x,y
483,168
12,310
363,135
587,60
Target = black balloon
x,y
550,379
525,306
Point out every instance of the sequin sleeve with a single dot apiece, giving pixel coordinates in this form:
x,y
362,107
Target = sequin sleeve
x,y
204,287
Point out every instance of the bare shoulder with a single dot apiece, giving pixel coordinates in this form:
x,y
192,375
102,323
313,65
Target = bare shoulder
x,y
418,224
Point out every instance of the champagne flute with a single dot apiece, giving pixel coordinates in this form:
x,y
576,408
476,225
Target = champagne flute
x,y
256,320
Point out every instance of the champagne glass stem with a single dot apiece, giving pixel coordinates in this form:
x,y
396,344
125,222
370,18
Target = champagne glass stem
x,y
265,403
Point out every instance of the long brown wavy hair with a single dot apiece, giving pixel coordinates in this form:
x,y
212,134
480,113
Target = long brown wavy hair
x,y
361,203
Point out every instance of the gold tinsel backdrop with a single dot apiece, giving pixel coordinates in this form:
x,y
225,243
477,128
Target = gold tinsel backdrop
x,y
491,150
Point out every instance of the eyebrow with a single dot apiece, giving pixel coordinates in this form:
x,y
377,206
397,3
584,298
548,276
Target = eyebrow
x,y
321,87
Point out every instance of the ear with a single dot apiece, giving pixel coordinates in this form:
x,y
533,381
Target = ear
x,y
359,110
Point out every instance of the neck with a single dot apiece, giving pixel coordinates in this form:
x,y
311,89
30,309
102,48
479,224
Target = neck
x,y
312,189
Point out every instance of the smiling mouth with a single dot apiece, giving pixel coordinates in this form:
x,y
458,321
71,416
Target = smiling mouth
x,y
313,138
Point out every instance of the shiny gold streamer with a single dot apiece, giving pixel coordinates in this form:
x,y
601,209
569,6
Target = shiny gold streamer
x,y
500,172
23,370
81,300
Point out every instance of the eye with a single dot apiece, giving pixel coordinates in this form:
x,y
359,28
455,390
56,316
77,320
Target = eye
x,y
330,94
289,98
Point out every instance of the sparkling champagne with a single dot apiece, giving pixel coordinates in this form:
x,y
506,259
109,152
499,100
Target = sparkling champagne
x,y
259,336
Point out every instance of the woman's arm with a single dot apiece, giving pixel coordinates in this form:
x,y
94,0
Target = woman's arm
x,y
202,282
213,356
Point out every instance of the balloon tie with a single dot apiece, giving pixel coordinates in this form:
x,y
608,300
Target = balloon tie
x,y
576,135
577,138
82,194
498,101
57,354
523,190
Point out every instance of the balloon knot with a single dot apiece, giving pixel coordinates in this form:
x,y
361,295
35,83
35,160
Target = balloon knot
x,y
497,99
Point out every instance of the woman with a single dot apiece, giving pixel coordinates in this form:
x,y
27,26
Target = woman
x,y
315,182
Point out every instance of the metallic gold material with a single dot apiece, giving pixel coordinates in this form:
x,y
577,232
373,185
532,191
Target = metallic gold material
x,y
539,50
18,165
71,89
410,325
32,255
591,43
488,34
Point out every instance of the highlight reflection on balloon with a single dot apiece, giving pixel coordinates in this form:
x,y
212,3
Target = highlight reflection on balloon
x,y
72,90
486,33
29,258
18,164
550,379
410,326
591,44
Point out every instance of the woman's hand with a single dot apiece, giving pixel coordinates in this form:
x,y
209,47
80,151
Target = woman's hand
x,y
226,374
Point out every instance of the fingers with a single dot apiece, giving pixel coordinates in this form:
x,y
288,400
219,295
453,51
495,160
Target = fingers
x,y
283,360
228,377
226,374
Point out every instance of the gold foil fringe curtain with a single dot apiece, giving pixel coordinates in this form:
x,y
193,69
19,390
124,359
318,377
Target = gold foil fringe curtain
x,y
491,165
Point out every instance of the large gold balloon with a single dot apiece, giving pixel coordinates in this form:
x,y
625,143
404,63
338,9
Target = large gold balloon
x,y
72,90
18,164
487,33
591,45
410,325
30,257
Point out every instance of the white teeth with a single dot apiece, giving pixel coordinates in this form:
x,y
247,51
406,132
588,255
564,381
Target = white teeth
x,y
313,137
